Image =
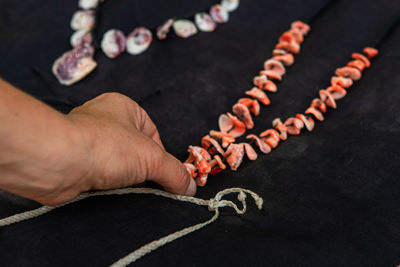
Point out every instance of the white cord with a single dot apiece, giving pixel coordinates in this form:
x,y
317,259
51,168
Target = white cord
x,y
213,205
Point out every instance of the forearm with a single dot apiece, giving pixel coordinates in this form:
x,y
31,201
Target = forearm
x,y
37,144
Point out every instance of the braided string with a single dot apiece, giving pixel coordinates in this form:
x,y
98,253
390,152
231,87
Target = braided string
x,y
213,205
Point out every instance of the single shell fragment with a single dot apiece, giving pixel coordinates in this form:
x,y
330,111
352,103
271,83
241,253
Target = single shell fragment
x,y
294,125
275,65
327,98
301,26
251,104
307,120
279,126
81,37
243,114
291,47
184,28
200,158
197,154
234,155
349,72
259,95
287,59
363,58
357,63
164,28
370,52
317,114
271,137
219,14
217,165
262,145
231,124
83,20
319,104
74,65
88,4
336,91
138,41
211,145
204,22
270,86
279,52
230,5
286,37
271,74
113,43
259,81
222,137
297,35
262,82
342,81
250,152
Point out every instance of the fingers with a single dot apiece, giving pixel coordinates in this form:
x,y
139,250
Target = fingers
x,y
170,173
148,128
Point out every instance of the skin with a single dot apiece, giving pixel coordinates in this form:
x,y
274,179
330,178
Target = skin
x,y
109,142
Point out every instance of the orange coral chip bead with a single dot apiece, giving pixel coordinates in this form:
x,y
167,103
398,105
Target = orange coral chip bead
x,y
278,125
222,137
271,74
250,152
319,104
370,52
243,113
287,59
260,95
308,121
297,35
342,81
252,104
358,64
349,72
270,86
291,47
294,125
327,98
363,58
262,145
317,114
217,165
271,137
275,65
234,155
336,91
301,26
211,145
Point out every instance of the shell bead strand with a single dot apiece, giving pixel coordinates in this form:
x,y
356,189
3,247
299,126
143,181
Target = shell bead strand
x,y
270,138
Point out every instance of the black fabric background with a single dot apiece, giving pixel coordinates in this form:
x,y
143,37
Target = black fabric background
x,y
331,195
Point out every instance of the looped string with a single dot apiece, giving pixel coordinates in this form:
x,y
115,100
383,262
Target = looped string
x,y
213,205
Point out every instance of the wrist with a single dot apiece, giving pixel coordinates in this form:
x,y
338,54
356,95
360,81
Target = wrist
x,y
50,167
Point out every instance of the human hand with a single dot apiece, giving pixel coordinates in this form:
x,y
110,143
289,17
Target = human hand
x,y
108,142
125,147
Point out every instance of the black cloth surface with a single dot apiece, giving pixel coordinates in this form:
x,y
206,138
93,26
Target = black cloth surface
x,y
332,196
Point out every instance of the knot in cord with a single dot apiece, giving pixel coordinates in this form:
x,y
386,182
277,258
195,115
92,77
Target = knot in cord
x,y
217,202
213,204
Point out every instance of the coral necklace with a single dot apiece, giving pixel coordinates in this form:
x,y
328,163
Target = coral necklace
x,y
207,159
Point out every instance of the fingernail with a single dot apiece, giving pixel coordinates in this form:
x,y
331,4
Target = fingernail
x,y
191,190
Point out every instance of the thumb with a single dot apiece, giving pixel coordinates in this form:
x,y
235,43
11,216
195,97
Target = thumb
x,y
172,175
